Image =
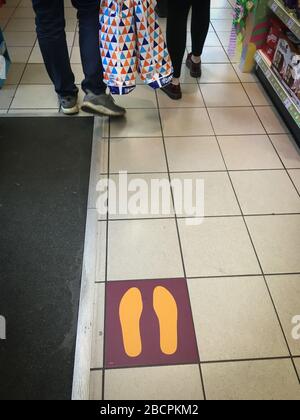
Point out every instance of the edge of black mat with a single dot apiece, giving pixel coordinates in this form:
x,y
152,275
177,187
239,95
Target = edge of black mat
x,y
44,180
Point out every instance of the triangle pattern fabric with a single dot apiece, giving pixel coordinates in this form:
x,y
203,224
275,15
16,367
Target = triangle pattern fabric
x,y
132,43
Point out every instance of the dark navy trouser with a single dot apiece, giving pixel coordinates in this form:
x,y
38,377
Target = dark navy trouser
x,y
50,24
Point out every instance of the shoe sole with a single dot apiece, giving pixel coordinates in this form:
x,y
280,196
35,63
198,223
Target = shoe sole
x,y
90,108
70,111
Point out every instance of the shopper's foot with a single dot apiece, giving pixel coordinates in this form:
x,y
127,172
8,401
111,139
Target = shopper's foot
x,y
173,91
195,68
161,12
69,104
103,104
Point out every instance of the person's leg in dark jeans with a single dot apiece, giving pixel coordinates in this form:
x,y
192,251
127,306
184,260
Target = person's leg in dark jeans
x,y
50,25
89,27
50,22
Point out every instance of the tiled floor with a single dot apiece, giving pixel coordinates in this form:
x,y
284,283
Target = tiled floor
x,y
241,266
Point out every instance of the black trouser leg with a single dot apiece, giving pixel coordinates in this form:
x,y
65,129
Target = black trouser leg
x,y
200,25
178,11
162,6
50,24
89,27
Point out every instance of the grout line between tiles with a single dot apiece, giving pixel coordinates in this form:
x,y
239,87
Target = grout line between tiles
x,y
179,242
106,262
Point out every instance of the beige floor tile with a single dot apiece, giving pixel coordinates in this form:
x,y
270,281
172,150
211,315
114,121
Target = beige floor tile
x,y
266,192
70,38
137,155
75,56
222,24
24,12
234,319
35,74
137,123
36,56
7,11
158,204
245,77
78,73
221,14
154,383
260,380
7,93
192,98
218,73
35,96
219,198
297,363
249,152
277,242
218,4
295,175
98,327
15,73
257,94
271,120
19,54
223,95
20,39
3,22
186,122
214,55
224,38
218,247
71,25
96,379
189,154
21,25
285,291
141,97
143,249
287,150
235,121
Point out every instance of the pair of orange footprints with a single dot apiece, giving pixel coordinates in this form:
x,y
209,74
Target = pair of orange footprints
x,y
130,312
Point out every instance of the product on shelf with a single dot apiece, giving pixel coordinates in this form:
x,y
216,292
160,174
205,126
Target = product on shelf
x,y
286,64
294,5
4,60
276,32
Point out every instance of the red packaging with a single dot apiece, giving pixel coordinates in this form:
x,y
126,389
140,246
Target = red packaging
x,y
276,32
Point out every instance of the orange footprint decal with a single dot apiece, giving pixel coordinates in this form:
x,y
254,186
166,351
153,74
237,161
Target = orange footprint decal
x,y
130,311
166,311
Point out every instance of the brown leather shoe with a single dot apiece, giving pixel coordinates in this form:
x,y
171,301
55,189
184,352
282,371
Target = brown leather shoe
x,y
195,68
173,91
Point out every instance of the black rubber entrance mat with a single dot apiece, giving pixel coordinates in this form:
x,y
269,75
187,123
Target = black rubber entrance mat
x,y
44,176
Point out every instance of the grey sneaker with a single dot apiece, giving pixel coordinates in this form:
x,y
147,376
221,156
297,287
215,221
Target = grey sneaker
x,y
103,104
69,104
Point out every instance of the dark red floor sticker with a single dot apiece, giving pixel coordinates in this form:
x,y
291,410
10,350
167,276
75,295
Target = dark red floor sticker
x,y
149,322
